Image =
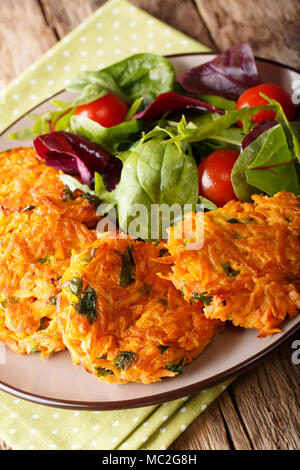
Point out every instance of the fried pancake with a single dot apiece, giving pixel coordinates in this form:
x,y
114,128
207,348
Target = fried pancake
x,y
248,270
35,250
25,181
124,323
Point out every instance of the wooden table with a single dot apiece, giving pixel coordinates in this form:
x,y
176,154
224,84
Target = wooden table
x,y
261,408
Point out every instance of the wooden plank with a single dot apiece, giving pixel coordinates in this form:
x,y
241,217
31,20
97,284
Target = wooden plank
x,y
181,14
63,17
268,401
207,432
24,36
235,427
270,26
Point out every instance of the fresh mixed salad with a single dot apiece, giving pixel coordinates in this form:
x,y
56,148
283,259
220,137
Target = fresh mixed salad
x,y
137,134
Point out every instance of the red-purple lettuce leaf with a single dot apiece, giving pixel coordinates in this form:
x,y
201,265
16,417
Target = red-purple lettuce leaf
x,y
257,130
228,75
170,102
77,156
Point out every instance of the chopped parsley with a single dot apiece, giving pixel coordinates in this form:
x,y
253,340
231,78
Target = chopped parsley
x,y
28,208
75,286
88,258
44,323
177,368
52,300
163,348
87,304
124,360
127,275
14,300
162,252
45,259
233,221
35,350
229,271
145,289
95,200
102,372
69,196
163,302
206,299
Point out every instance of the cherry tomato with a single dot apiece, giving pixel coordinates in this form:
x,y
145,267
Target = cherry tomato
x,y
251,98
108,111
215,176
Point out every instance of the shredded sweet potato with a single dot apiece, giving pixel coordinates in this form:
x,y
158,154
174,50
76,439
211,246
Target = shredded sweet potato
x,y
248,268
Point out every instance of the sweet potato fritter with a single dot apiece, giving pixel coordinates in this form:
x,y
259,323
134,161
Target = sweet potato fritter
x,y
124,323
248,270
25,181
40,224
35,250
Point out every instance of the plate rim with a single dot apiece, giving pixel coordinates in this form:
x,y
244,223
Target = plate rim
x,y
168,395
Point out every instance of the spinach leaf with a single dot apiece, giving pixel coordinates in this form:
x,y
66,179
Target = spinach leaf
x,y
265,165
141,75
156,175
109,138
124,360
127,275
177,368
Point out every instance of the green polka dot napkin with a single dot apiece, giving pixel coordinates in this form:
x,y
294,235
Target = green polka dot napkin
x,y
115,31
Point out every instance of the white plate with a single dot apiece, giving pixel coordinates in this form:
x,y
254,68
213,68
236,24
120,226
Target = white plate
x,y
56,381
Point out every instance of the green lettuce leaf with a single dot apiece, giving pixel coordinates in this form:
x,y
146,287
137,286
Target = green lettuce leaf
x,y
267,165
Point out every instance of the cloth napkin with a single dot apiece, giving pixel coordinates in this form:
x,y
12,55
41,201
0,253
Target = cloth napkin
x,y
115,31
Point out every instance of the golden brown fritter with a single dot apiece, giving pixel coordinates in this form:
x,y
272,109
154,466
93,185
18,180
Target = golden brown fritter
x,y
248,270
124,323
35,250
25,181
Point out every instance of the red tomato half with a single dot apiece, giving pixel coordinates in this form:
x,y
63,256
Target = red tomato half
x,y
108,111
215,176
251,98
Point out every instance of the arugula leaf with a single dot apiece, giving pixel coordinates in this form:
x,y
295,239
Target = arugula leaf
x,y
141,75
124,360
218,101
127,275
267,165
177,368
46,122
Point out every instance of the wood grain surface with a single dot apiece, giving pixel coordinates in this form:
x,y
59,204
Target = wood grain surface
x,y
261,409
